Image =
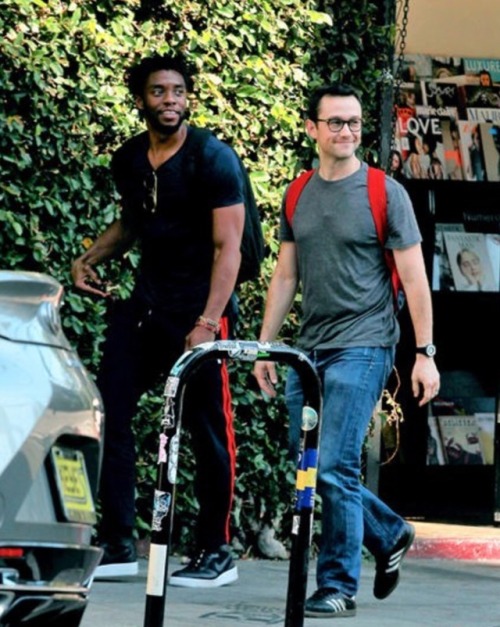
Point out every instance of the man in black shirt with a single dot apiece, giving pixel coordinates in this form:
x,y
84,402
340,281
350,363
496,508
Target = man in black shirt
x,y
189,233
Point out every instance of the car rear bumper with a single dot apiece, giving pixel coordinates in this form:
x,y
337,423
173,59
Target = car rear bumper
x,y
45,584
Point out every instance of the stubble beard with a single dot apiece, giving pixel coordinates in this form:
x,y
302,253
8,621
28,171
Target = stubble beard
x,y
164,129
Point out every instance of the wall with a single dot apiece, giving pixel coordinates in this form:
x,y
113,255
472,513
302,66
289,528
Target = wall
x,y
465,28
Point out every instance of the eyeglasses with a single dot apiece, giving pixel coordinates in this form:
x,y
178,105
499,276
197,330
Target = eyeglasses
x,y
150,192
335,125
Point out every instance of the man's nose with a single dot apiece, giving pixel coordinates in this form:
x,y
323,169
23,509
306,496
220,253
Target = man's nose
x,y
169,95
345,130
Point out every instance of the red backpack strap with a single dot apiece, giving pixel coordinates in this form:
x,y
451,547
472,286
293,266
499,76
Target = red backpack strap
x,y
294,192
377,196
378,201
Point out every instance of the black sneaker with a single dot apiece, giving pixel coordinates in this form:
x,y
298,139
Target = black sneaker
x,y
330,603
119,559
388,565
207,570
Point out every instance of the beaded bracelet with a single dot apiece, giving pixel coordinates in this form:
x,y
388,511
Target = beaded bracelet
x,y
208,323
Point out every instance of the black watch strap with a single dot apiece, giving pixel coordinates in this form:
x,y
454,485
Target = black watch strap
x,y
429,350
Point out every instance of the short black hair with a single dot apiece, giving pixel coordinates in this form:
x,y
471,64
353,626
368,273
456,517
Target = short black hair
x,y
334,89
138,74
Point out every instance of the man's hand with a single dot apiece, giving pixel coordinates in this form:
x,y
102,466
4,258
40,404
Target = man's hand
x,y
265,373
425,379
198,335
85,278
116,239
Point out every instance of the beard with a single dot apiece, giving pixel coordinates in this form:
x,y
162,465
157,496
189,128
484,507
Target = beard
x,y
159,127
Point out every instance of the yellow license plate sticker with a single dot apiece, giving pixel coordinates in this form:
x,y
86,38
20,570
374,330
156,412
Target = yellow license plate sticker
x,y
73,485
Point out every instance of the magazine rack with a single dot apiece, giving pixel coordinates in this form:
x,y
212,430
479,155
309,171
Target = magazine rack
x,y
447,485
446,152
169,440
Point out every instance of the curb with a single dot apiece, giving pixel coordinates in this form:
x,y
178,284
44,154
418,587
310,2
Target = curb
x,y
466,549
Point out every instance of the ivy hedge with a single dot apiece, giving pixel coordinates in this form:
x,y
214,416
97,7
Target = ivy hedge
x,y
64,109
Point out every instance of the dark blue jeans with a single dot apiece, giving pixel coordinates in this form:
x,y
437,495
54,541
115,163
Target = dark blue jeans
x,y
140,348
352,382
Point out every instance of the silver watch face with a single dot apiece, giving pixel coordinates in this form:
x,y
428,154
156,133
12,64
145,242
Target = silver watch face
x,y
430,350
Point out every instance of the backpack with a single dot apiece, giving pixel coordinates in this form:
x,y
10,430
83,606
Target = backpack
x,y
378,204
252,241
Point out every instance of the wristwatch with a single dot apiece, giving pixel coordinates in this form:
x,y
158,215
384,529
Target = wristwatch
x,y
429,350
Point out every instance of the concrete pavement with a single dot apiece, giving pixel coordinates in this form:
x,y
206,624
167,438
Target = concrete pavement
x,y
435,590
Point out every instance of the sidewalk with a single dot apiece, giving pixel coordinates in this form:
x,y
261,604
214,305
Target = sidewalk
x,y
438,588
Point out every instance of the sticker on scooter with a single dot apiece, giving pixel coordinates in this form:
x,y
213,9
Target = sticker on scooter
x,y
162,450
309,418
173,456
161,506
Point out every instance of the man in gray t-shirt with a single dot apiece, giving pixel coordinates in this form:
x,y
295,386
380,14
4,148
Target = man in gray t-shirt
x,y
349,329
354,306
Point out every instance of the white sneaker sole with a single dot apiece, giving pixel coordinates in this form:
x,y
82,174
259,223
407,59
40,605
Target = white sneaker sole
x,y
192,582
126,569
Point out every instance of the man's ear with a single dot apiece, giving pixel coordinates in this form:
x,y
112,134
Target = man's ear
x,y
139,102
311,129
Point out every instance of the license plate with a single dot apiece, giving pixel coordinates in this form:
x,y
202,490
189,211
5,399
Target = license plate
x,y
73,485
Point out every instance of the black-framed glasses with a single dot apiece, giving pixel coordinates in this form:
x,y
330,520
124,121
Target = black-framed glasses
x,y
150,192
335,125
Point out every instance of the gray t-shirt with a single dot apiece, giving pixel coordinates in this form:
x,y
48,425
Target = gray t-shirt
x,y
345,283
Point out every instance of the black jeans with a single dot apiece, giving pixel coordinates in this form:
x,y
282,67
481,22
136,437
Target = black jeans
x,y
140,347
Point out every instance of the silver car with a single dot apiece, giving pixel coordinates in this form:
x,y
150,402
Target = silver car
x,y
51,423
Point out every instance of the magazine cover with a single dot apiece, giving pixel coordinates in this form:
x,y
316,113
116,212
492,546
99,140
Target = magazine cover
x,y
486,70
416,157
438,94
471,148
470,262
493,247
409,94
415,66
460,440
424,154
442,278
403,115
435,454
432,143
446,67
490,138
451,146
437,112
486,424
481,114
479,96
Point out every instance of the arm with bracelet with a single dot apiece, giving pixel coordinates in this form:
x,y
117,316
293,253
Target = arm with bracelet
x,y
207,323
227,230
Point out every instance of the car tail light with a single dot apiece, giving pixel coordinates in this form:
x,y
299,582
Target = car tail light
x,y
11,552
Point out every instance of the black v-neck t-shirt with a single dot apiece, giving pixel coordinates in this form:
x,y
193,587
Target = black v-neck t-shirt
x,y
172,217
